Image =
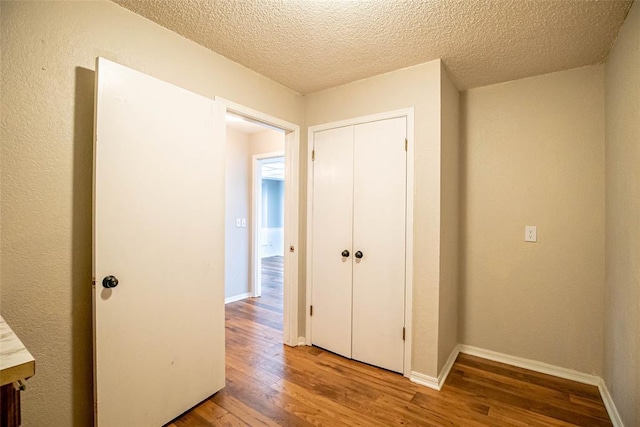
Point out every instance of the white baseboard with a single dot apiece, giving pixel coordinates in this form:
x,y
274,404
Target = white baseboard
x,y
425,380
442,377
432,382
608,403
302,341
556,371
533,365
237,297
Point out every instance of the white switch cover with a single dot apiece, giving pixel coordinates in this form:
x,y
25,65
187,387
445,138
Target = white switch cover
x,y
244,222
238,223
530,233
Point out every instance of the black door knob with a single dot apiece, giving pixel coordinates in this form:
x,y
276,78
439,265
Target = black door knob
x,y
110,282
345,253
358,254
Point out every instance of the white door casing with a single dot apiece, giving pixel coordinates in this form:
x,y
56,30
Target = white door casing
x,y
379,191
291,200
158,227
332,234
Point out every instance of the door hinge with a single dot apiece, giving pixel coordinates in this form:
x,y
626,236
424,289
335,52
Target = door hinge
x,y
310,310
313,155
403,333
406,144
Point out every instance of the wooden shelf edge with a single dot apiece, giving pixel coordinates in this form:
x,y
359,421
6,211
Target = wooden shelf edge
x,y
18,372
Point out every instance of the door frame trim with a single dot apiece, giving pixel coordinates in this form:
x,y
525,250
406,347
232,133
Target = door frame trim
x,y
256,216
408,304
291,203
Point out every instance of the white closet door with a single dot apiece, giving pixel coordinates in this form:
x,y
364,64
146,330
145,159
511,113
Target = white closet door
x,y
332,234
379,182
158,228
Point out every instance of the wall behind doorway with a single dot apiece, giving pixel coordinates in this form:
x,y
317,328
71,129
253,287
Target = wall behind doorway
x,y
237,196
241,147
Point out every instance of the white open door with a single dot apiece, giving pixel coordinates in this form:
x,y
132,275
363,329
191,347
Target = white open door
x,y
158,229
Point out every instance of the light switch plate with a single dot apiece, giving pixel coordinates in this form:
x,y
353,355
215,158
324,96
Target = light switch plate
x,y
244,222
238,223
530,233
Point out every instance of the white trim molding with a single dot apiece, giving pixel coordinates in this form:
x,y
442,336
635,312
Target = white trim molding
x,y
444,373
609,404
436,383
425,380
532,365
237,297
556,371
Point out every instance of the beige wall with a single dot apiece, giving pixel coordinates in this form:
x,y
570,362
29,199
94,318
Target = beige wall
x,y
417,87
533,154
622,291
48,54
449,219
267,141
237,197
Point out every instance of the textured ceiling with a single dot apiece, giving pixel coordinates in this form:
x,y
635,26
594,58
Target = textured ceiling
x,y
310,45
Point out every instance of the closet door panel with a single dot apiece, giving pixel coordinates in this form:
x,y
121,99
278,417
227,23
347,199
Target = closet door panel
x,y
332,234
379,181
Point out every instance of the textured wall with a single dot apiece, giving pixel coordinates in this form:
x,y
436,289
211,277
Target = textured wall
x,y
533,154
417,87
449,219
48,52
622,307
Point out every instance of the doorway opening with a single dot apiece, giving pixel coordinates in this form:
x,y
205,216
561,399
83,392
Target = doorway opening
x,y
261,214
268,224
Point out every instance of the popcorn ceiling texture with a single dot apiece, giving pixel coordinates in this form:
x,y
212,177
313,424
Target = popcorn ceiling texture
x,y
309,46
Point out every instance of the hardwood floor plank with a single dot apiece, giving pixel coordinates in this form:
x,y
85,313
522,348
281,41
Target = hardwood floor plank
x,y
528,376
275,406
244,412
520,417
337,410
433,415
230,420
210,411
270,384
543,393
502,393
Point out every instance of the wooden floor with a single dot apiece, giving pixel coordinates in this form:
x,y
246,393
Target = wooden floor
x,y
271,384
